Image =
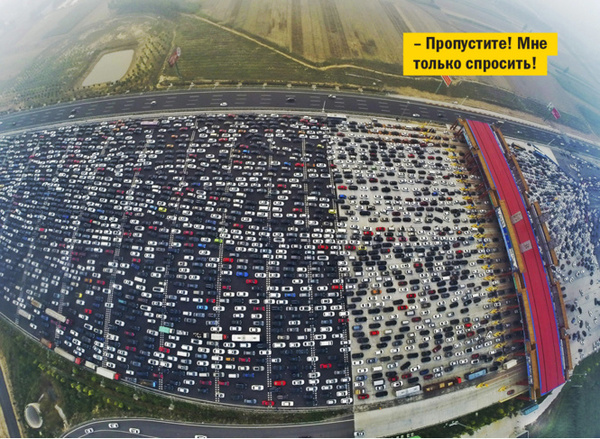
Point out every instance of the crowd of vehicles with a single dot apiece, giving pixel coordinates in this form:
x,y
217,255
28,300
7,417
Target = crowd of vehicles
x,y
225,257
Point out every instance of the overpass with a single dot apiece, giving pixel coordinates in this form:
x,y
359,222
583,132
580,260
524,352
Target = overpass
x,y
546,341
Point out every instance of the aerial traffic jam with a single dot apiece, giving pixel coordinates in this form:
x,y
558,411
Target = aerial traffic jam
x,y
258,259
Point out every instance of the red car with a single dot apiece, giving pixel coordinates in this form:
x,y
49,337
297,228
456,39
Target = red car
x,y
403,307
406,375
228,260
252,281
163,349
342,187
279,383
392,379
368,233
268,403
350,247
224,383
374,332
380,229
325,365
323,247
363,396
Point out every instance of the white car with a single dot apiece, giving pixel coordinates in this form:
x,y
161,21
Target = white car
x,y
134,430
416,115
223,104
113,425
88,430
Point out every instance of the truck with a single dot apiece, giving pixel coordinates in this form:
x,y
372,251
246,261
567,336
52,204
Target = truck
x,y
509,364
36,303
251,338
166,330
24,313
477,374
442,385
149,383
64,354
47,343
409,391
107,373
90,365
214,336
57,316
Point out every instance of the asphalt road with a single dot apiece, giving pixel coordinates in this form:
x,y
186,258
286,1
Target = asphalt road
x,y
313,101
7,409
343,427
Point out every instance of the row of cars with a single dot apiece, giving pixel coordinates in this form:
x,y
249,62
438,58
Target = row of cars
x,y
194,255
426,297
226,257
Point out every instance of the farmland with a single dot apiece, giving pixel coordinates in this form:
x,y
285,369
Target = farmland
x,y
343,43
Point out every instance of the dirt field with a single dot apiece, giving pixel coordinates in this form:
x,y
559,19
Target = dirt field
x,y
370,33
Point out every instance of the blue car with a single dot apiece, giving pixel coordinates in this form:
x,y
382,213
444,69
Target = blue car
x,y
241,274
204,307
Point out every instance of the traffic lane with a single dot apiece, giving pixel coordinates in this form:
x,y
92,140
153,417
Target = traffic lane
x,y
344,427
7,409
254,99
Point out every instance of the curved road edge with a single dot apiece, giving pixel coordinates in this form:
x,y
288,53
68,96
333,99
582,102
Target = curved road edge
x,y
7,404
148,427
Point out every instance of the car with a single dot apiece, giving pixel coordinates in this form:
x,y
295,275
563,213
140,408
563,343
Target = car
x,y
88,430
134,430
223,104
279,383
416,115
113,425
332,96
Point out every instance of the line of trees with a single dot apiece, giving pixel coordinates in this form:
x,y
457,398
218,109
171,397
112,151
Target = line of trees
x,y
165,8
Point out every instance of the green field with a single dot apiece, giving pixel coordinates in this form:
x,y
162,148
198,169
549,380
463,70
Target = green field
x,y
348,44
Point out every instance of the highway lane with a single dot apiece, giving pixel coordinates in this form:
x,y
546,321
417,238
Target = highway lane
x,y
237,99
7,409
342,427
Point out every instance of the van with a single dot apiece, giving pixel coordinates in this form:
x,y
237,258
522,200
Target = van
x,y
377,368
326,343
378,383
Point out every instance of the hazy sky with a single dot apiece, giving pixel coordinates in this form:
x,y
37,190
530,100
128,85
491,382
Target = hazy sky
x,y
579,19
